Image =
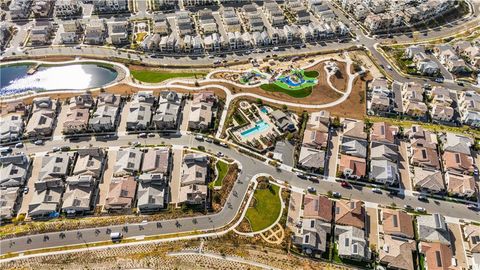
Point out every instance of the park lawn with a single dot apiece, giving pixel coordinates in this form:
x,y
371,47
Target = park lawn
x,y
311,73
152,76
266,209
301,93
222,169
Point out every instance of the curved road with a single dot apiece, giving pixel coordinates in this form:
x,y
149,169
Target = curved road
x,y
250,167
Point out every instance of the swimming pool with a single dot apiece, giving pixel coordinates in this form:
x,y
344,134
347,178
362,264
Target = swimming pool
x,y
259,126
264,110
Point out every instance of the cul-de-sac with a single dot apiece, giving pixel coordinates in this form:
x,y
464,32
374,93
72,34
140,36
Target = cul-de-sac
x,y
240,134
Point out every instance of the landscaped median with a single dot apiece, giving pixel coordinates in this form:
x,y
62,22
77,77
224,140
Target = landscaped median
x,y
222,168
156,76
265,207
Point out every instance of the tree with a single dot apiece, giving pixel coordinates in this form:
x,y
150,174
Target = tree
x,y
284,107
259,101
329,193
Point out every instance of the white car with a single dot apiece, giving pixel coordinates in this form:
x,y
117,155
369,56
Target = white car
x,y
199,137
38,142
377,190
19,145
135,143
311,189
420,209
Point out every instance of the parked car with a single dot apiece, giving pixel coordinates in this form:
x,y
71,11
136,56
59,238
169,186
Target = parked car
x,y
56,149
420,209
142,135
199,137
407,207
220,154
422,198
19,145
208,140
336,194
345,184
6,149
25,190
311,189
135,143
473,207
151,134
38,142
224,144
377,190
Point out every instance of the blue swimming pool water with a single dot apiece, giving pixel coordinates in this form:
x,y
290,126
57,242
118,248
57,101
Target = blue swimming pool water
x,y
264,110
259,126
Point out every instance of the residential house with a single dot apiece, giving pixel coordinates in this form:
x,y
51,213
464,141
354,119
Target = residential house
x,y
354,147
42,8
397,223
283,121
383,132
95,32
438,256
469,108
442,101
14,170
317,207
121,194
55,168
77,199
20,9
67,8
110,6
350,213
193,180
202,111
311,159
457,156
11,127
168,111
41,33
8,202
152,187
352,243
352,167
460,184
118,31
312,237
471,233
105,116
383,164
433,228
412,96
140,111
128,162
316,132
45,203
354,129
428,180
396,253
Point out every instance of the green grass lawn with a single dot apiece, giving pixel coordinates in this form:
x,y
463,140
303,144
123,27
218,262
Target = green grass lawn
x,y
152,76
222,169
311,73
301,93
266,209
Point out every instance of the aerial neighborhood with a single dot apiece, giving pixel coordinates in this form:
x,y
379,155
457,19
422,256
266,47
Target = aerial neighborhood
x,y
216,134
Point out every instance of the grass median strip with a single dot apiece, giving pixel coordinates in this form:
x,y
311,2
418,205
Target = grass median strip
x,y
222,169
152,76
266,208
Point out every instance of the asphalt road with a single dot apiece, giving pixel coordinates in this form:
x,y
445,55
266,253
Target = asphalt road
x,y
250,166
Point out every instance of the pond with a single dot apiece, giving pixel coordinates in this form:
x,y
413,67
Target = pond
x,y
15,78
